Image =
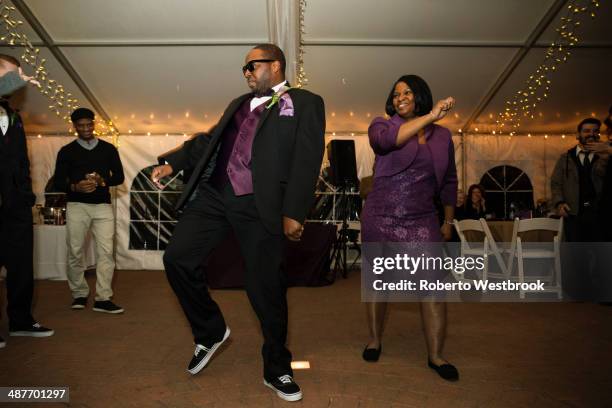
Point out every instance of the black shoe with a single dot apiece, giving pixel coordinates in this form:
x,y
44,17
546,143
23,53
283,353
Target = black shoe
x,y
79,303
285,388
446,371
202,354
106,306
2,343
370,354
35,330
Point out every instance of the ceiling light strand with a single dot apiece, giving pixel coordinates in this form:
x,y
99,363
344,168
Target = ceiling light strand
x,y
537,87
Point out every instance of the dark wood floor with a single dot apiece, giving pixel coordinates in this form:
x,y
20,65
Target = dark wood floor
x,y
509,355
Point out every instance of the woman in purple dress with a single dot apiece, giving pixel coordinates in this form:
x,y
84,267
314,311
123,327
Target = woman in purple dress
x,y
415,163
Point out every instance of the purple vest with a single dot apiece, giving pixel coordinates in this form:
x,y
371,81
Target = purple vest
x,y
234,159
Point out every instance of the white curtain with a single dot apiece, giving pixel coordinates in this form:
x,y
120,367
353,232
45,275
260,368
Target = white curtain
x,y
137,153
43,153
536,156
284,31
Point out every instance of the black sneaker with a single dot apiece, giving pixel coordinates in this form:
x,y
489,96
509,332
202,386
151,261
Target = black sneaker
x,y
285,388
36,330
106,306
202,354
79,303
2,343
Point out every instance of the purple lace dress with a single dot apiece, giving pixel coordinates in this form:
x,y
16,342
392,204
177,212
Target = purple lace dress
x,y
400,208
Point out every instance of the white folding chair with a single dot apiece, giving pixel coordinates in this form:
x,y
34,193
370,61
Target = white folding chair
x,y
520,252
495,251
472,248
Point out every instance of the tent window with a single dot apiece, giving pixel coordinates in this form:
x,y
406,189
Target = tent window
x,y
507,187
152,215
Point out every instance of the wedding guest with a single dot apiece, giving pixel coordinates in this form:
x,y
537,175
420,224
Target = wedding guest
x,y
577,185
16,201
415,162
256,176
474,207
85,169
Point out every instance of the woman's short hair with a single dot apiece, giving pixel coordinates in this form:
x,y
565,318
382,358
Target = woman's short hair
x,y
423,101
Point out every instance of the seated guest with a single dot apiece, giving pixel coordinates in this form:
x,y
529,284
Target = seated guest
x,y
474,207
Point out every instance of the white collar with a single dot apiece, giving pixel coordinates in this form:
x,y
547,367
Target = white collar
x,y
256,101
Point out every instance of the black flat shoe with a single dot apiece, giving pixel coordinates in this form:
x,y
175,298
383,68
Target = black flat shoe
x,y
370,354
446,371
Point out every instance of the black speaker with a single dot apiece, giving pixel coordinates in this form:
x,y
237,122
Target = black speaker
x,y
343,164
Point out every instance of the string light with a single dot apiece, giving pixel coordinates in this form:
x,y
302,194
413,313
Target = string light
x,y
524,102
301,79
62,103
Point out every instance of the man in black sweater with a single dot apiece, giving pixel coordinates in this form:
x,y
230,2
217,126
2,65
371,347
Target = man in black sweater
x,y
16,201
85,169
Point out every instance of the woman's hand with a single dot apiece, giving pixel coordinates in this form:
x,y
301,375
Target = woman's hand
x,y
441,108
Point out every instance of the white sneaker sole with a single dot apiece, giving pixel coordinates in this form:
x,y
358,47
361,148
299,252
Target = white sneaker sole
x,y
212,351
287,397
118,311
76,307
31,334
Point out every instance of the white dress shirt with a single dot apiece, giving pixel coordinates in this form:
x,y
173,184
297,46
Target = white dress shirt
x,y
581,156
4,120
255,102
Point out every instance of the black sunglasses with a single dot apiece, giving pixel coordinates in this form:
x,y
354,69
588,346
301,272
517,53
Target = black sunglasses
x,y
250,66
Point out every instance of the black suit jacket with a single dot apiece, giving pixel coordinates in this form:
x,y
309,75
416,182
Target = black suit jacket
x,y
285,161
15,181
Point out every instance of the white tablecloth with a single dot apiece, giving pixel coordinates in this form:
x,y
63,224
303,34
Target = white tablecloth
x,y
51,252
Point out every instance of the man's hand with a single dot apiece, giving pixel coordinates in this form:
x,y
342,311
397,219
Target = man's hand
x,y
160,172
601,148
563,210
441,108
96,178
292,229
85,186
447,231
29,79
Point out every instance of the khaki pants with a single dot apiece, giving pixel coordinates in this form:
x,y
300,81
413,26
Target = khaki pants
x,y
80,217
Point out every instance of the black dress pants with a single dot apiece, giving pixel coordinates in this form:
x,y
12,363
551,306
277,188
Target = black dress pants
x,y
207,220
16,244
584,267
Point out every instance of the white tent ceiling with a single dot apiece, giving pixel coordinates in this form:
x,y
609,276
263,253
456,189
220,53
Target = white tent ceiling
x,y
172,67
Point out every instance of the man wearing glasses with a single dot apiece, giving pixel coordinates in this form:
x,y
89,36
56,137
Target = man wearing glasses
x,y
576,186
577,182
254,174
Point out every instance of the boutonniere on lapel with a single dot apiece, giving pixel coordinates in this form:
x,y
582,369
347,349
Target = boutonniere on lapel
x,y
285,104
12,118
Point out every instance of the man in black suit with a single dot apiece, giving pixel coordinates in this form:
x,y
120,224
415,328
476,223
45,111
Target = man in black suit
x,y
16,201
255,174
